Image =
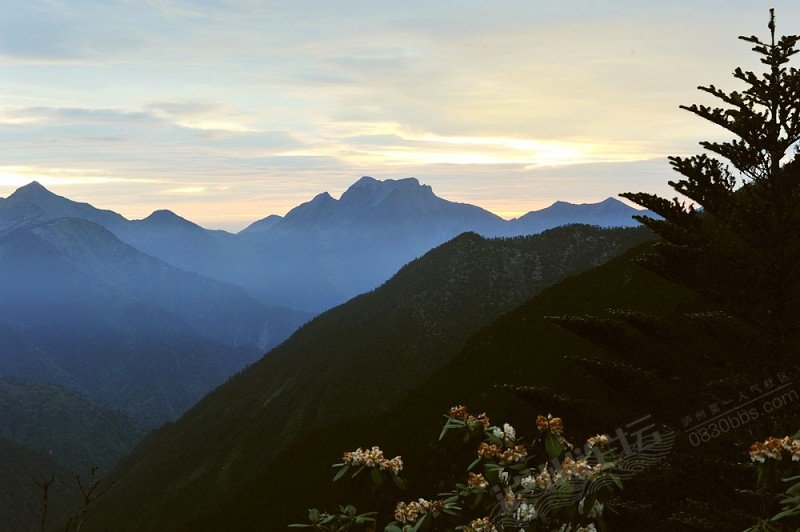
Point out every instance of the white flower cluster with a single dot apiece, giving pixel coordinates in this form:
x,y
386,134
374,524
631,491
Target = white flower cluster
x,y
412,511
480,525
772,448
373,458
553,425
477,481
570,469
600,440
507,433
542,481
793,446
577,469
525,513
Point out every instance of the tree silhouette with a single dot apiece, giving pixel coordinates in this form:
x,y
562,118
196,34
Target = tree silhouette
x,y
742,248
737,245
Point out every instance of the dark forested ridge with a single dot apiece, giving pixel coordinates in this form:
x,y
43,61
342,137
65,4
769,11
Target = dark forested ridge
x,y
72,430
358,358
47,431
522,348
21,498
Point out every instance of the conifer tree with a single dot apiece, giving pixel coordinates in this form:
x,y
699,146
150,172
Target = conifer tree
x,y
741,247
736,243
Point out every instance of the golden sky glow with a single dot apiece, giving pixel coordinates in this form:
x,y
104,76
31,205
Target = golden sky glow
x,y
228,111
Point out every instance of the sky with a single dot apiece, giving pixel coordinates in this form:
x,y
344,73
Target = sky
x,y
227,111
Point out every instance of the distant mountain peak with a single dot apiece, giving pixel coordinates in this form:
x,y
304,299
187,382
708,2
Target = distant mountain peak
x,y
162,215
610,201
371,191
33,189
322,197
365,181
165,217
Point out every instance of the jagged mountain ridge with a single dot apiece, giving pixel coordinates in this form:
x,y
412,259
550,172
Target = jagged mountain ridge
x,y
370,203
322,252
33,203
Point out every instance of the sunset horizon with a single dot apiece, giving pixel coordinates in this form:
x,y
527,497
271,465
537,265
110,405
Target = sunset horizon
x,y
225,113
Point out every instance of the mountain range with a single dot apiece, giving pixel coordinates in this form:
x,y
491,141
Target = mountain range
x,y
321,253
148,315
131,322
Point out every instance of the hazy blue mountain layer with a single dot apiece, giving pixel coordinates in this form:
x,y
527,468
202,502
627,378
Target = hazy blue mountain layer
x,y
82,309
322,252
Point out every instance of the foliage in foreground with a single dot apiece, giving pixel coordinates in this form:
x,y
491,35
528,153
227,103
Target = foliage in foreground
x,y
770,454
544,483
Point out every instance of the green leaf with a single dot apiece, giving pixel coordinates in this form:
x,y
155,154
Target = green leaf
x,y
399,482
360,469
377,476
392,528
341,473
313,515
451,424
553,446
444,431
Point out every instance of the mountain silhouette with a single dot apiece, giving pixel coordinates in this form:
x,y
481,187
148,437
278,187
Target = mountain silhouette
x,y
322,252
33,203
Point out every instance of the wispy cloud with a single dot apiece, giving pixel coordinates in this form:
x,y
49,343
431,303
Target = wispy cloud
x,y
183,191
508,104
17,176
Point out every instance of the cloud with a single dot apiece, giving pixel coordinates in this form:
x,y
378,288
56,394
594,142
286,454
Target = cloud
x,y
183,191
16,176
65,115
64,32
205,115
505,104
